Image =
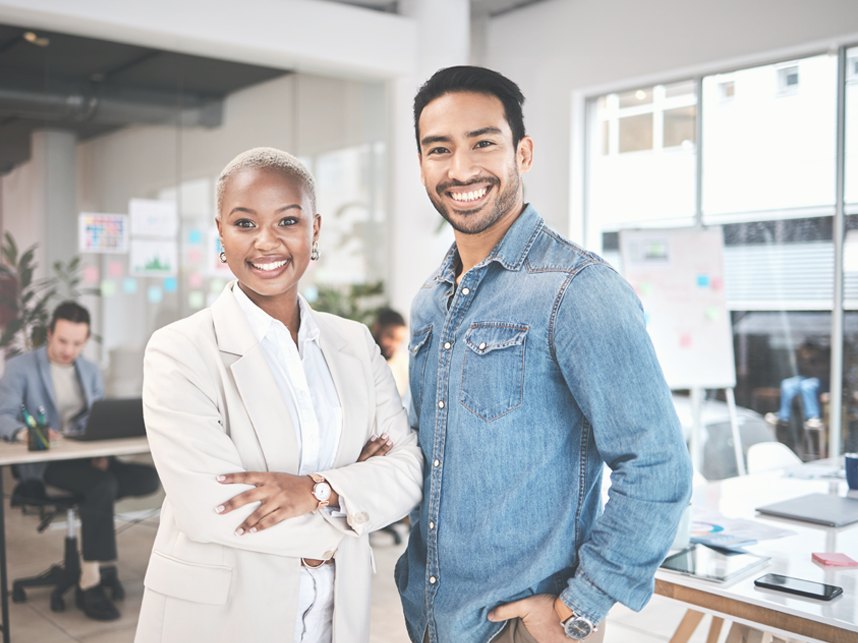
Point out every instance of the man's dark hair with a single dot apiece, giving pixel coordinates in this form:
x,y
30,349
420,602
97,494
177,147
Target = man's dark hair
x,y
389,317
70,311
478,80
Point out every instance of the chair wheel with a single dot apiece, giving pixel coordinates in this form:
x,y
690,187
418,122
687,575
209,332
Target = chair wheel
x,y
57,603
19,595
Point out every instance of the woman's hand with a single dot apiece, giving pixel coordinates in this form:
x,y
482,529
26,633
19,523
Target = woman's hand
x,y
281,495
376,446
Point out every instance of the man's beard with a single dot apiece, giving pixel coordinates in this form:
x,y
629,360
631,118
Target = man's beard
x,y
470,221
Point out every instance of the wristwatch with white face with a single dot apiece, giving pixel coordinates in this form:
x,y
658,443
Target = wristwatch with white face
x,y
576,627
321,491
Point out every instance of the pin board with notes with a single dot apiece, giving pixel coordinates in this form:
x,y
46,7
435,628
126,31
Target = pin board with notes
x,y
679,276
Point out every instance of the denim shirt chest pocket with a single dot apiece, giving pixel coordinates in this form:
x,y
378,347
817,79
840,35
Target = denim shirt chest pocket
x,y
418,347
493,368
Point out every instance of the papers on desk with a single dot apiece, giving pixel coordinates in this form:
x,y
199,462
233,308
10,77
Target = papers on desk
x,y
717,530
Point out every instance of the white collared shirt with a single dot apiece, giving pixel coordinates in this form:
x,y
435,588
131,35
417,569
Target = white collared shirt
x,y
305,382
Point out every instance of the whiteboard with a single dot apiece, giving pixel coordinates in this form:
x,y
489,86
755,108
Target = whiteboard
x,y
679,276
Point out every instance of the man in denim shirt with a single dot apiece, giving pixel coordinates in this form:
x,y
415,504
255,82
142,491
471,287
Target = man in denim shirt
x,y
530,368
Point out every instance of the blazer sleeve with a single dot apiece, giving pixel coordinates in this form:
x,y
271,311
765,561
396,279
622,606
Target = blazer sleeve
x,y
383,489
13,387
191,448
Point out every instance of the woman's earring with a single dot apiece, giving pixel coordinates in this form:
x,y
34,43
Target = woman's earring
x,y
222,255
314,253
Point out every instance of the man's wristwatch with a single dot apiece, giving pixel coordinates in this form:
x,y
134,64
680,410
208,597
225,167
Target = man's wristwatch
x,y
321,491
576,627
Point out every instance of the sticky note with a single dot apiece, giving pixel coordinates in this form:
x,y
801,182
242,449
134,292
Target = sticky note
x,y
311,293
196,299
108,287
90,274
717,283
702,281
195,280
685,341
195,237
645,288
129,285
216,286
155,294
194,255
712,313
839,560
114,269
171,284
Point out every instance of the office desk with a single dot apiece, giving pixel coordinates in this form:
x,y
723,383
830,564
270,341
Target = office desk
x,y
740,601
17,453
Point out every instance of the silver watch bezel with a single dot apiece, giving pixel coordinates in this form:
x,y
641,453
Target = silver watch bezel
x,y
575,626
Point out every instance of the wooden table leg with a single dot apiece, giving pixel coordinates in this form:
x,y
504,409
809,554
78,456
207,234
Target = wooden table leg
x,y
715,630
687,626
745,634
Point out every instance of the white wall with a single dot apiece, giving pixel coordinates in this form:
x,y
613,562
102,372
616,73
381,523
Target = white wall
x,y
560,50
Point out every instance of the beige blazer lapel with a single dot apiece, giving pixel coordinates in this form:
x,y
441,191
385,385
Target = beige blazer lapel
x,y
349,380
260,395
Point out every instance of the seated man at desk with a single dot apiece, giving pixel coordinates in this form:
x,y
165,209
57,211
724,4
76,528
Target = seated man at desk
x,y
56,381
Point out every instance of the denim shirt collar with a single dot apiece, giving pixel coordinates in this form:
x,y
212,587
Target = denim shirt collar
x,y
510,252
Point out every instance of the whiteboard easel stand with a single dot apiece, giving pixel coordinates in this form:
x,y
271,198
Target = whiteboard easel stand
x,y
696,438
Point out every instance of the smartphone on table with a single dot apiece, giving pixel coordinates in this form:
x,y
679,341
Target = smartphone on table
x,y
799,586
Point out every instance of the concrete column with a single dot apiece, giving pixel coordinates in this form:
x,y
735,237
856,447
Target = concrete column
x,y
416,244
54,163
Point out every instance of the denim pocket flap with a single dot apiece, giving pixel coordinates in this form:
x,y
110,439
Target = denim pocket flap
x,y
485,338
207,584
418,338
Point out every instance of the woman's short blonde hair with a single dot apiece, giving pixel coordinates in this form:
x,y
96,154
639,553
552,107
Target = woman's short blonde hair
x,y
267,158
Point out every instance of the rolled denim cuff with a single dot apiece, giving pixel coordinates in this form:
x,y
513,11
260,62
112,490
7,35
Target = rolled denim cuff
x,y
585,599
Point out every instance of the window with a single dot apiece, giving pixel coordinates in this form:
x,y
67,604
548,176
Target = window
x,y
727,89
767,177
787,79
764,154
644,139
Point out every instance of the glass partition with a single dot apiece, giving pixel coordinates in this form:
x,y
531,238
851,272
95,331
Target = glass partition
x,y
110,153
767,178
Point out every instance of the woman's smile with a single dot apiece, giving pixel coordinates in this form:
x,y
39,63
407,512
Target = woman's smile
x,y
267,227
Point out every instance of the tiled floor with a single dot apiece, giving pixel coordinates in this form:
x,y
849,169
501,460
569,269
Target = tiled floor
x,y
33,622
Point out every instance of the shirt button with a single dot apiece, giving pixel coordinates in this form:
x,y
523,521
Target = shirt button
x,y
441,404
437,463
431,525
447,345
466,291
483,346
432,580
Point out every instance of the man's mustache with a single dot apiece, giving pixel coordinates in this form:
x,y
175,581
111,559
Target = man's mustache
x,y
443,187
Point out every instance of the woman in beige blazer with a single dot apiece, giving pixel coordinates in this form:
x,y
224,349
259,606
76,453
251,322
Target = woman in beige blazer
x,y
241,523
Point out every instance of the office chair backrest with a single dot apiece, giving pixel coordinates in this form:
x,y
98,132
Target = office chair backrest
x,y
767,456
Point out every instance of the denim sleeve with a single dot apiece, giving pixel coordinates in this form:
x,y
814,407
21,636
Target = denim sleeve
x,y
602,347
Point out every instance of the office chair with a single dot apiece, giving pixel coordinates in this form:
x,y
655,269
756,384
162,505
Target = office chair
x,y
64,576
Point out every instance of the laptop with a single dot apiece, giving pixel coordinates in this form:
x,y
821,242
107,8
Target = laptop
x,y
116,418
819,508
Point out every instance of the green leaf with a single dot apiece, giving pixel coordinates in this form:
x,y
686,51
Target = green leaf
x,y
10,249
10,331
